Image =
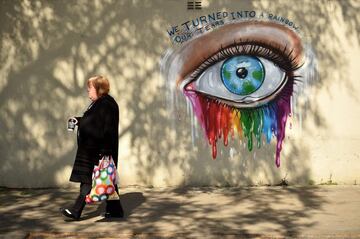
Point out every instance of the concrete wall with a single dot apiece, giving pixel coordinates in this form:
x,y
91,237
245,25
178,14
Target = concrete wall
x,y
49,48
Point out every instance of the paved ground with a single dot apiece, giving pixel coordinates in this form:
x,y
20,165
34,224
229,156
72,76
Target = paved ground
x,y
254,212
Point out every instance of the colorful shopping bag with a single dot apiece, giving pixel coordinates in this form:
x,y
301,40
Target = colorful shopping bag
x,y
104,179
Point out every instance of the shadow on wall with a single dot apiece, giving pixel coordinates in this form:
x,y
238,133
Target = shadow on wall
x,y
49,48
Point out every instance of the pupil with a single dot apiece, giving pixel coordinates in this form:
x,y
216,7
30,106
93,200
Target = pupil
x,y
241,72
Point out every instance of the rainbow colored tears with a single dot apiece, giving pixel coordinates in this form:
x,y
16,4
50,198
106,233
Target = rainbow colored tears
x,y
220,120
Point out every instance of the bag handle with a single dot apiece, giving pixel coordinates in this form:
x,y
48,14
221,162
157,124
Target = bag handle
x,y
101,161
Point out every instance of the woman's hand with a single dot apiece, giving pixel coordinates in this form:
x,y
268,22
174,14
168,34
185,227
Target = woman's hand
x,y
77,118
74,120
71,123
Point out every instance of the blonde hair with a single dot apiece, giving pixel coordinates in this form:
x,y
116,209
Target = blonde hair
x,y
100,83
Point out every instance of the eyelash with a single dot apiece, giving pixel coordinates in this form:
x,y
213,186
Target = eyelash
x,y
281,57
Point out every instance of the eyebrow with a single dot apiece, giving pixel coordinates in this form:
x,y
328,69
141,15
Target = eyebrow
x,y
194,53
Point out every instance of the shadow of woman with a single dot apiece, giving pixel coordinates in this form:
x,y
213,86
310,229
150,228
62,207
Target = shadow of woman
x,y
129,202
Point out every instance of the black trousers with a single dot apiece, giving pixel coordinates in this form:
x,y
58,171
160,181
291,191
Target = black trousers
x,y
112,206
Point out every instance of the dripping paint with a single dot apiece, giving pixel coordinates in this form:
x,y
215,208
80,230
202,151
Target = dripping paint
x,y
239,78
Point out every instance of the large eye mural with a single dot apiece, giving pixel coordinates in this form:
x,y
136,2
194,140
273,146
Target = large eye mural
x,y
239,79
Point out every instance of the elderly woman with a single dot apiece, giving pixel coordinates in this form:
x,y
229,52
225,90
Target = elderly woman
x,y
97,136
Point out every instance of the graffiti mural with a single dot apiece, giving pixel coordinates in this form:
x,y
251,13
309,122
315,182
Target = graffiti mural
x,y
238,71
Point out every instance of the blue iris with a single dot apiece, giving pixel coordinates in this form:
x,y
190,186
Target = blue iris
x,y
242,75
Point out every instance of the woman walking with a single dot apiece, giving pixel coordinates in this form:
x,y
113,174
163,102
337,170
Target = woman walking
x,y
97,136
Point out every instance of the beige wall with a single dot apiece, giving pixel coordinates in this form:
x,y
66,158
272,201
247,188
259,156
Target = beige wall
x,y
48,48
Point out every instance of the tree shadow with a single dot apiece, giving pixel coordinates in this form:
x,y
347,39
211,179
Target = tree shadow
x,y
45,85
43,82
246,211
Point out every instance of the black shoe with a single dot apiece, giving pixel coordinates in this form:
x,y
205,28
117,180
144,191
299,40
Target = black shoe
x,y
70,214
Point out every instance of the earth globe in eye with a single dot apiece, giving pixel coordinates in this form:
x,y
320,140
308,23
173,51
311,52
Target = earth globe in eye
x,y
242,75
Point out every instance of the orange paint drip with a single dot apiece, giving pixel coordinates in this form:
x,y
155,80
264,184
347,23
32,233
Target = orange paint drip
x,y
225,123
213,126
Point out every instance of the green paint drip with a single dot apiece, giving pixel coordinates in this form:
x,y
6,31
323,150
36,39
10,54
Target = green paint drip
x,y
258,125
247,125
252,124
258,75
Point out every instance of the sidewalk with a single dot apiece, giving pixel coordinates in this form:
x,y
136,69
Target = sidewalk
x,y
248,212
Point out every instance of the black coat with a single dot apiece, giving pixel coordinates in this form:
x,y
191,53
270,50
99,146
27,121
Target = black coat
x,y
97,135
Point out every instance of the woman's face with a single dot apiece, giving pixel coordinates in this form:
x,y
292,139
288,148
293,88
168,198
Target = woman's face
x,y
92,92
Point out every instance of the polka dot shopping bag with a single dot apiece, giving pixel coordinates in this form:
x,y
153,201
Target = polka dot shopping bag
x,y
104,179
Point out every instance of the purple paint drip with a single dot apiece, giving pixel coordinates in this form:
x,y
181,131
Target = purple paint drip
x,y
282,115
283,112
